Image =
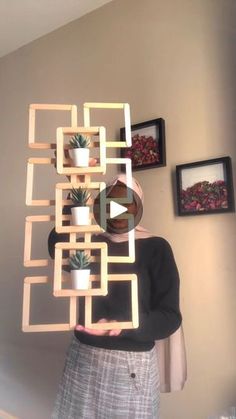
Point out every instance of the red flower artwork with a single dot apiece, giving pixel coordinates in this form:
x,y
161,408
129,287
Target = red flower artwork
x,y
144,150
205,196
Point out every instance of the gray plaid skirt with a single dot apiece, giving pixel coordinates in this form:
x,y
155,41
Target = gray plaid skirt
x,y
108,384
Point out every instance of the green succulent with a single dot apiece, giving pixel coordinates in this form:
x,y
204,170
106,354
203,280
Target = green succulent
x,y
80,197
79,141
79,260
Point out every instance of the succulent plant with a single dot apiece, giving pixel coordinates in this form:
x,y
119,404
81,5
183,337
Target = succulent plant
x,y
79,260
80,197
79,141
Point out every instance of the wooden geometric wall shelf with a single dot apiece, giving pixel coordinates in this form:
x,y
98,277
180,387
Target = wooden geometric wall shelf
x,y
102,278
27,327
98,251
47,107
125,106
30,181
60,187
90,132
134,323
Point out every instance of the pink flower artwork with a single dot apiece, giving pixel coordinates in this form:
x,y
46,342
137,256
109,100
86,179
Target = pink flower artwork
x,y
144,150
205,196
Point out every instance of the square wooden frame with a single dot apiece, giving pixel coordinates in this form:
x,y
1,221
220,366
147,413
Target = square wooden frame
x,y
133,324
59,247
128,169
125,106
61,131
59,206
157,134
131,239
30,179
28,239
27,327
131,251
47,107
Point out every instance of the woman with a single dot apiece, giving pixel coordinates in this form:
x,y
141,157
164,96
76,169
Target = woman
x,y
114,373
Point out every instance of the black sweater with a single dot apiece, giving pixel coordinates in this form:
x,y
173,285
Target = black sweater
x,y
158,295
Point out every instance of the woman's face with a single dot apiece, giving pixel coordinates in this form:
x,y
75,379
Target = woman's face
x,y
120,191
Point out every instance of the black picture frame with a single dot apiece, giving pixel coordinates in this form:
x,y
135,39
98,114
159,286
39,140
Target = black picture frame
x,y
148,145
205,187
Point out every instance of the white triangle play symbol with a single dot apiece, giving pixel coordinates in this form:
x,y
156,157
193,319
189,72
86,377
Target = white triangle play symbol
x,y
116,209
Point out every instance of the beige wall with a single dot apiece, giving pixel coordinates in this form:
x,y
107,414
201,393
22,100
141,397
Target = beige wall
x,y
173,59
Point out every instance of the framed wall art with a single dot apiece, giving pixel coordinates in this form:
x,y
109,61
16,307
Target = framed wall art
x,y
148,144
205,187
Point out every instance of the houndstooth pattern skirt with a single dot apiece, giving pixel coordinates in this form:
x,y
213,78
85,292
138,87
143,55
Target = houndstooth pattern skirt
x,y
108,384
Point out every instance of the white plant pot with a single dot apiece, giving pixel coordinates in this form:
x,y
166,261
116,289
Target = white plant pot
x,y
80,216
80,156
80,279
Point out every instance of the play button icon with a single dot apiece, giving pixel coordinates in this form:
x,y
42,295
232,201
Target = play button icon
x,y
117,209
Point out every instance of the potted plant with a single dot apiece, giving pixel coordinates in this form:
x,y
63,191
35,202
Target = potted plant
x,y
80,150
79,263
80,211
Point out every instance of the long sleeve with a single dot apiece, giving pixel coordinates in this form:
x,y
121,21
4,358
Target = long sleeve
x,y
158,297
164,317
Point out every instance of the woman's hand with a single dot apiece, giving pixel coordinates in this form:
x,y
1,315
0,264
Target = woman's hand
x,y
99,332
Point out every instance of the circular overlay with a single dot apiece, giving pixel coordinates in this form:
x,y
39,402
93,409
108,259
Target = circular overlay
x,y
117,209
